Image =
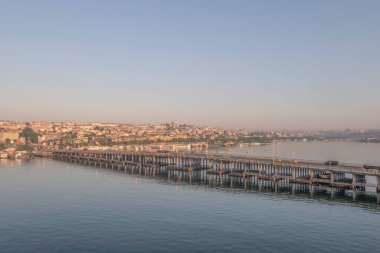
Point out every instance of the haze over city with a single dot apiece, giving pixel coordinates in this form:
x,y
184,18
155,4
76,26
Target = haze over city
x,y
232,64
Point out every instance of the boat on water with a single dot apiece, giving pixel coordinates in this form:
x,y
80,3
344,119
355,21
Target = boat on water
x,y
11,155
3,155
18,155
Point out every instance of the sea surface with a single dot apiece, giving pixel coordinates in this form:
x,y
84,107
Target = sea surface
x,y
53,206
342,151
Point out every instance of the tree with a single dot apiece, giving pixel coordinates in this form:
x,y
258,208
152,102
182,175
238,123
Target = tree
x,y
99,128
29,134
104,141
72,135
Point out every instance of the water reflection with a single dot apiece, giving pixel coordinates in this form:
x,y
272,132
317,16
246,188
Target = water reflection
x,y
281,189
51,206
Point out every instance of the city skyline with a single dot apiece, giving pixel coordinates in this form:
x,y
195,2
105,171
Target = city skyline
x,y
79,123
245,64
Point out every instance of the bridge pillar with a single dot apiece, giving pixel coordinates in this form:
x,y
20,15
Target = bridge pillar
x,y
332,178
293,172
354,181
354,195
312,190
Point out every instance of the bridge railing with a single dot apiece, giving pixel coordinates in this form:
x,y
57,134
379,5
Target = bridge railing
x,y
276,159
208,155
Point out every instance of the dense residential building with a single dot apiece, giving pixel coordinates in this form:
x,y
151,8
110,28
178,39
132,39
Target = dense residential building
x,y
86,135
9,135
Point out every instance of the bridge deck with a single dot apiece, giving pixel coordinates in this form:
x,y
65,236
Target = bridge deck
x,y
243,159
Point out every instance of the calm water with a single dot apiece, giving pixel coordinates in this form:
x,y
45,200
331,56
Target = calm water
x,y
343,151
51,206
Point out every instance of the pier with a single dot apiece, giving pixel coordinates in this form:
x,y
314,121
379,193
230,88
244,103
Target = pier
x,y
231,169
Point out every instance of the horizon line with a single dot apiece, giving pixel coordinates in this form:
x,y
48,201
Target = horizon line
x,y
182,123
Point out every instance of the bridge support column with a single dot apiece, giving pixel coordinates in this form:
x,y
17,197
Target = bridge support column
x,y
354,195
354,181
332,177
311,174
312,190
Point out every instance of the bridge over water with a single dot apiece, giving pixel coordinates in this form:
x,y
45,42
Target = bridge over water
x,y
224,169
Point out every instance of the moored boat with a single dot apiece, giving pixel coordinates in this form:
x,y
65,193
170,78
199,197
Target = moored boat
x,y
3,155
11,155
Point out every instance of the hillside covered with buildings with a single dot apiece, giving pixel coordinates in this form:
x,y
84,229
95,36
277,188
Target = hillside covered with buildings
x,y
95,135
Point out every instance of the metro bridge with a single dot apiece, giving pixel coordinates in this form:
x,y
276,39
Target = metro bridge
x,y
228,168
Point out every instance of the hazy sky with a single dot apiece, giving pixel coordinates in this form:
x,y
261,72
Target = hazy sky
x,y
235,64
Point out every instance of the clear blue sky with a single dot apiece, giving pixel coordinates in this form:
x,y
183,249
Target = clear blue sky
x,y
235,64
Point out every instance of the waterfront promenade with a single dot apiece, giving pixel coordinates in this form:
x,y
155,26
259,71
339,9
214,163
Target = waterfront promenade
x,y
231,169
